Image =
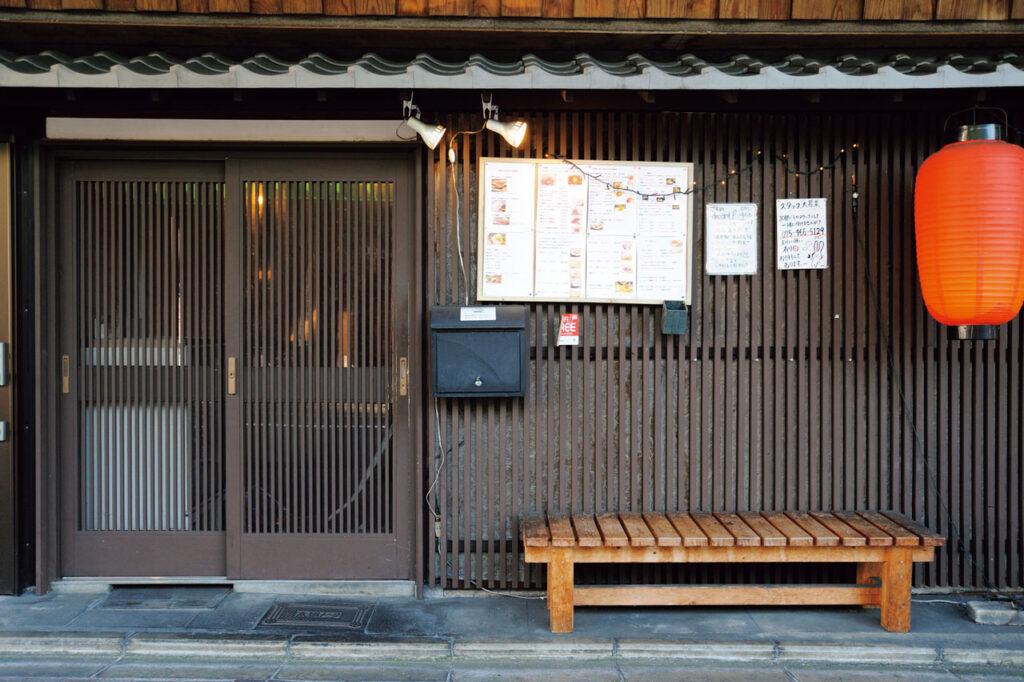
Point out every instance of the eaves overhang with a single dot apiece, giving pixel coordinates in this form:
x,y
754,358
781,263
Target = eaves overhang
x,y
636,72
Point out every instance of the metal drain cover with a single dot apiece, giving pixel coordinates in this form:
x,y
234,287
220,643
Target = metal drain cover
x,y
334,615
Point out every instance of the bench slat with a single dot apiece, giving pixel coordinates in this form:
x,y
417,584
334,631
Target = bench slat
x,y
664,534
823,537
639,534
770,535
794,533
902,536
928,538
562,534
688,529
587,534
535,531
611,530
716,532
848,536
875,535
745,536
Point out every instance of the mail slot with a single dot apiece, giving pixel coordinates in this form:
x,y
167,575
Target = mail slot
x,y
478,351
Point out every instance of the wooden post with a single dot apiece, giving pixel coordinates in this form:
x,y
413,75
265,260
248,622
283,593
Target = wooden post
x,y
896,579
868,572
560,577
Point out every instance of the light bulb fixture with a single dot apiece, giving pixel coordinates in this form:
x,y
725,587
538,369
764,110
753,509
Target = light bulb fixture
x,y
513,132
430,134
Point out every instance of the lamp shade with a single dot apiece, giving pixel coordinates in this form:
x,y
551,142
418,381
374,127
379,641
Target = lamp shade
x,y
969,223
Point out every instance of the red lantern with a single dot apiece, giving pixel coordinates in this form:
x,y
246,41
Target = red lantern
x,y
969,219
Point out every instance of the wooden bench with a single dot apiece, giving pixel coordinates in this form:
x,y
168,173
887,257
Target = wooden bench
x,y
883,545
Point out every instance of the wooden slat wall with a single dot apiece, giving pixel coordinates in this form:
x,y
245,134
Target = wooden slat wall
x,y
768,10
781,396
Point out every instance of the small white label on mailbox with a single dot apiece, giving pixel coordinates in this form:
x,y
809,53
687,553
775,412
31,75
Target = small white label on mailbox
x,y
478,314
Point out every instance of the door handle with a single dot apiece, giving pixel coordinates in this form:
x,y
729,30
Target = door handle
x,y
5,363
65,374
403,376
232,377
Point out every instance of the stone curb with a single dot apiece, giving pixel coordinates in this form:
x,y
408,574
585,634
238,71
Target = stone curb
x,y
205,648
592,649
236,648
301,652
857,654
756,652
994,657
62,645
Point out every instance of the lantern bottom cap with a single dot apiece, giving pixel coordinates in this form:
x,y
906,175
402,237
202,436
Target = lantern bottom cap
x,y
973,332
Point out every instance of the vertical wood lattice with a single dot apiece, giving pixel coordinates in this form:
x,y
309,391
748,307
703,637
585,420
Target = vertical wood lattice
x,y
317,348
792,389
150,329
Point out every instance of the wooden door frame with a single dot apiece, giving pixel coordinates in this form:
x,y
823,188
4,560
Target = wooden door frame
x,y
47,352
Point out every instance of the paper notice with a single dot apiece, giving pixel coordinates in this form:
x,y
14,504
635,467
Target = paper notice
x,y
560,265
561,199
662,208
661,269
801,237
508,197
508,264
569,330
612,199
611,266
730,239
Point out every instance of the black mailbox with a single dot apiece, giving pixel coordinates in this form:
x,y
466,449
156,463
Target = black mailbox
x,y
478,351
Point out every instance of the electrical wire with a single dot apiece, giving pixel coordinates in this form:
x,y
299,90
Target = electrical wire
x,y
440,466
458,225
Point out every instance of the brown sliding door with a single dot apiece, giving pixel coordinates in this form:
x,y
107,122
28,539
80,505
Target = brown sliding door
x,y
324,438
231,334
142,332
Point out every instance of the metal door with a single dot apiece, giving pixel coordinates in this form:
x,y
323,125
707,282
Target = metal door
x,y
324,335
232,334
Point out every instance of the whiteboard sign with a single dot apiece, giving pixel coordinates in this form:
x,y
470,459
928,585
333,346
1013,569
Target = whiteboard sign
x,y
730,239
801,239
593,231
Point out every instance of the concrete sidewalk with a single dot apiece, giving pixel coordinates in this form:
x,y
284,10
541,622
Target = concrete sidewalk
x,y
216,633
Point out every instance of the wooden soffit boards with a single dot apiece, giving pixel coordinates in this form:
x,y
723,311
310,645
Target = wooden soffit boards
x,y
841,10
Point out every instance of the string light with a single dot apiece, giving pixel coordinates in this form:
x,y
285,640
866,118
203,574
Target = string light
x,y
758,156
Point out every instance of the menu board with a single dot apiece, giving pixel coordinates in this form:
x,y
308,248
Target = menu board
x,y
801,242
591,231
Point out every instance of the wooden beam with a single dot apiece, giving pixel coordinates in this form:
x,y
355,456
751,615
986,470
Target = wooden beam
x,y
412,8
967,10
899,10
727,595
591,9
556,9
560,590
896,579
520,8
682,9
230,6
839,10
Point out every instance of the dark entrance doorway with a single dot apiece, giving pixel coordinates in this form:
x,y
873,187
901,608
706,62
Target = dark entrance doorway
x,y
231,335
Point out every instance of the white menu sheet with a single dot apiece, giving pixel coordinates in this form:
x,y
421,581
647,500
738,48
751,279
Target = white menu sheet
x,y
508,223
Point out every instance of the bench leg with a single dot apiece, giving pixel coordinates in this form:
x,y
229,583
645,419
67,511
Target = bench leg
x,y
560,579
896,577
